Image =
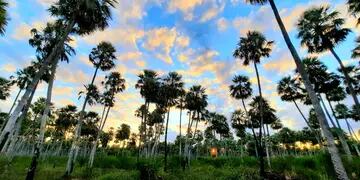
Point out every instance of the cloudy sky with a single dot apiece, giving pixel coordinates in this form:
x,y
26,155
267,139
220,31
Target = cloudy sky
x,y
193,37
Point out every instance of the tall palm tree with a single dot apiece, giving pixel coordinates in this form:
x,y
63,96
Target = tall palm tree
x,y
114,84
173,87
149,85
251,49
334,153
320,31
343,112
290,90
3,16
196,102
103,58
241,89
181,105
354,8
79,17
44,42
323,83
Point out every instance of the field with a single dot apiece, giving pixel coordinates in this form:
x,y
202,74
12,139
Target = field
x,y
121,167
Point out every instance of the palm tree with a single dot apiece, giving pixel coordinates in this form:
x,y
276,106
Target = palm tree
x,y
102,57
181,105
251,49
3,16
114,84
79,17
321,31
172,85
241,89
343,112
196,102
290,90
44,42
334,153
354,8
149,85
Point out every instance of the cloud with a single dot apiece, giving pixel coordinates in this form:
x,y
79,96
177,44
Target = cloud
x,y
222,24
254,21
185,6
22,32
161,41
10,68
283,65
125,36
213,11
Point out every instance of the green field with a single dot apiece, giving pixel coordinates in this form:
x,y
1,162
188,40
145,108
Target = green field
x,y
118,167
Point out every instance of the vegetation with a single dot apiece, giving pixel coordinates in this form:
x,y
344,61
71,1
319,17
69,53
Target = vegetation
x,y
39,140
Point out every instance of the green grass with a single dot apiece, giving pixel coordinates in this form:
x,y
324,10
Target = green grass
x,y
118,167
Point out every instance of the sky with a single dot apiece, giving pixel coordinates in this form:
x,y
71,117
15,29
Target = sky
x,y
196,38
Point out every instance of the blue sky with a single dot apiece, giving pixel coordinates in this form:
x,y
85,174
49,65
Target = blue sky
x,y
193,37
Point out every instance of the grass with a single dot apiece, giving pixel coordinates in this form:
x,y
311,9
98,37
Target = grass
x,y
118,167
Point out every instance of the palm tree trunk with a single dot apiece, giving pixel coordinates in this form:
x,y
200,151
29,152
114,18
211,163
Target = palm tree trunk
x,y
262,166
74,145
10,125
13,105
333,112
46,112
166,131
252,129
347,77
94,144
344,144
307,123
180,130
15,133
333,151
38,144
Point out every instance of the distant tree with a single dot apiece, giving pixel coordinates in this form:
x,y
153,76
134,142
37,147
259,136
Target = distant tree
x,y
354,9
123,133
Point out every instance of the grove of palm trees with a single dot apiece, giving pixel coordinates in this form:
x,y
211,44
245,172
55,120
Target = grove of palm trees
x,y
178,89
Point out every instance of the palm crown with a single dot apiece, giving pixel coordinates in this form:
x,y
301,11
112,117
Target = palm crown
x,y
241,89
103,56
45,41
252,48
289,89
321,30
354,8
87,15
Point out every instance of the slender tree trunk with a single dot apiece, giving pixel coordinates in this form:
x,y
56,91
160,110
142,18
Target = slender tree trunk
x,y
262,166
307,123
252,129
12,107
94,144
339,132
10,125
166,131
15,133
334,153
180,130
74,145
46,112
16,98
44,117
347,78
